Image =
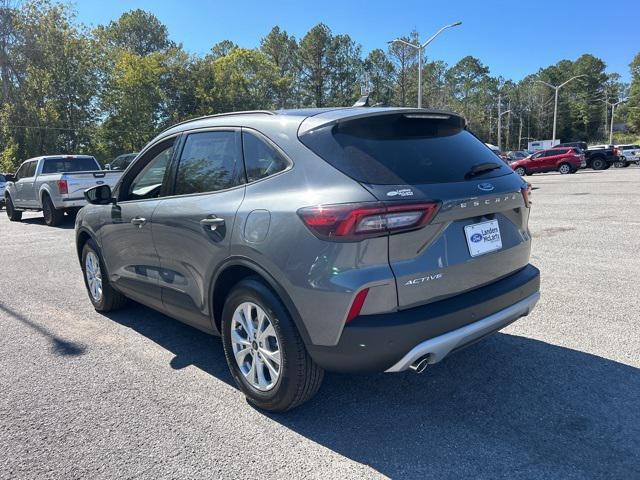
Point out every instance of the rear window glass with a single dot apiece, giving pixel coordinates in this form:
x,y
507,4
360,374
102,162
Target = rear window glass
x,y
59,165
403,149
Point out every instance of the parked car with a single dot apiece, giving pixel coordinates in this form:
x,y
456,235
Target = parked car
x,y
55,185
563,160
598,157
121,162
628,154
498,152
517,155
353,240
3,181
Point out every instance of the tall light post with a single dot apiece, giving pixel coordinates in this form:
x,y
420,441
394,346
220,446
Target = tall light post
x,y
613,109
420,48
500,114
555,108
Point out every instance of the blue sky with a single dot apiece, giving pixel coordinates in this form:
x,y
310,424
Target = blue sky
x,y
513,38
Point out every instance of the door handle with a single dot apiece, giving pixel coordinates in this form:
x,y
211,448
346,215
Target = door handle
x,y
138,221
212,222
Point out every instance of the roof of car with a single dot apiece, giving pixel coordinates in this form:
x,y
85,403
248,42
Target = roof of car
x,y
312,117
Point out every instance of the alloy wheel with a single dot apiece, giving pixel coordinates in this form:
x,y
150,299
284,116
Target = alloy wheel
x,y
94,275
256,346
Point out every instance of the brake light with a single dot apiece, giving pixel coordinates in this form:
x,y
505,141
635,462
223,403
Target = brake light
x,y
355,221
63,188
526,194
356,306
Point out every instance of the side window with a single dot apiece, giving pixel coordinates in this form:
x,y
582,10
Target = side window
x,y
21,172
260,158
31,169
538,155
208,162
148,182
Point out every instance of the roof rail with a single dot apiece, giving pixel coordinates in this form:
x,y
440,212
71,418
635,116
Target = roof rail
x,y
227,114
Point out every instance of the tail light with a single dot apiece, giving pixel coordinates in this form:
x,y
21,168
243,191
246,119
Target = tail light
x,y
356,221
63,188
526,194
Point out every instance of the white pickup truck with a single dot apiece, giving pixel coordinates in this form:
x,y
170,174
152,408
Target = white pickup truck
x,y
54,184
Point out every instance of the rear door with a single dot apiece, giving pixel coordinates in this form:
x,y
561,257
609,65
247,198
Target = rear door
x,y
479,233
192,228
25,186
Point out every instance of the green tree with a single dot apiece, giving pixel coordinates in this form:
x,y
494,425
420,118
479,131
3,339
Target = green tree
x,y
633,104
138,31
282,49
380,71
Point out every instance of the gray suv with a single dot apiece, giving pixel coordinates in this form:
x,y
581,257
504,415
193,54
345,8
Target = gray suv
x,y
345,239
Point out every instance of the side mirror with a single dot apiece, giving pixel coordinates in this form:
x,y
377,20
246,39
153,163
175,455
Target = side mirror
x,y
107,166
99,195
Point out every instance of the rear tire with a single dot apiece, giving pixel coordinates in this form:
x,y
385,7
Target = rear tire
x,y
598,164
520,171
104,298
52,216
13,214
564,168
297,377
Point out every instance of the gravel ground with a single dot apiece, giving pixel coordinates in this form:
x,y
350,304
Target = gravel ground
x,y
138,395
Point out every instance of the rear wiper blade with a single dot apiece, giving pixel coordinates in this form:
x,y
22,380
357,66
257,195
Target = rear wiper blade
x,y
481,168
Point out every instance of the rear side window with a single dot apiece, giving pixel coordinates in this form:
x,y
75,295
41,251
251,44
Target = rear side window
x,y
208,162
260,158
60,165
403,149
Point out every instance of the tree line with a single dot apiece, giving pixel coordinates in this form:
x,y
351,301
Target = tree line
x,y
66,88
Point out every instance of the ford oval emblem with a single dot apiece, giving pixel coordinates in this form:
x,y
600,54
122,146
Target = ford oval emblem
x,y
486,187
476,237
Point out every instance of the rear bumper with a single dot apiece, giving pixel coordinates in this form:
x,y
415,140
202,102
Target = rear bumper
x,y
392,342
72,202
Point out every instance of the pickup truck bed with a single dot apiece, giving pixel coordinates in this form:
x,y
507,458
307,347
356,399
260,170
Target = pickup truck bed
x,y
55,184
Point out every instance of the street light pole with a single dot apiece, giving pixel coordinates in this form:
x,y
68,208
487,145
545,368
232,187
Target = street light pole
x,y
613,109
420,48
500,114
555,108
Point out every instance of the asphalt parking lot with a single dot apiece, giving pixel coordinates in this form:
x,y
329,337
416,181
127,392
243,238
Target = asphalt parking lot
x,y
137,395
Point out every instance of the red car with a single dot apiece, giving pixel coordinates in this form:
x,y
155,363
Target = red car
x,y
558,159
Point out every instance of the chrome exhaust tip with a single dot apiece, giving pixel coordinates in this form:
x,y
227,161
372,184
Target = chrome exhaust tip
x,y
420,364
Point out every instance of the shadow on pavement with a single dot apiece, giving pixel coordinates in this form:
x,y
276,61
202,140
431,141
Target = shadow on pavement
x,y
507,407
68,223
59,346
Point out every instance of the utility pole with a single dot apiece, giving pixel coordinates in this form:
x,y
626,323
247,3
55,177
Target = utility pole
x,y
420,48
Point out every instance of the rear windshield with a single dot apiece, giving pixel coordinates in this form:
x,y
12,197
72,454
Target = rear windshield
x,y
403,149
59,165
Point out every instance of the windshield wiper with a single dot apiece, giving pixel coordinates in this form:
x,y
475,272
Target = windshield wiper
x,y
481,168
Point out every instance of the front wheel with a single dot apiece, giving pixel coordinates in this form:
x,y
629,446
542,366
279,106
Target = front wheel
x,y
564,168
13,214
102,295
264,350
520,171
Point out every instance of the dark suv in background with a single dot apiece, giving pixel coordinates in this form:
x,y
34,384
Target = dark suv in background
x,y
348,239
